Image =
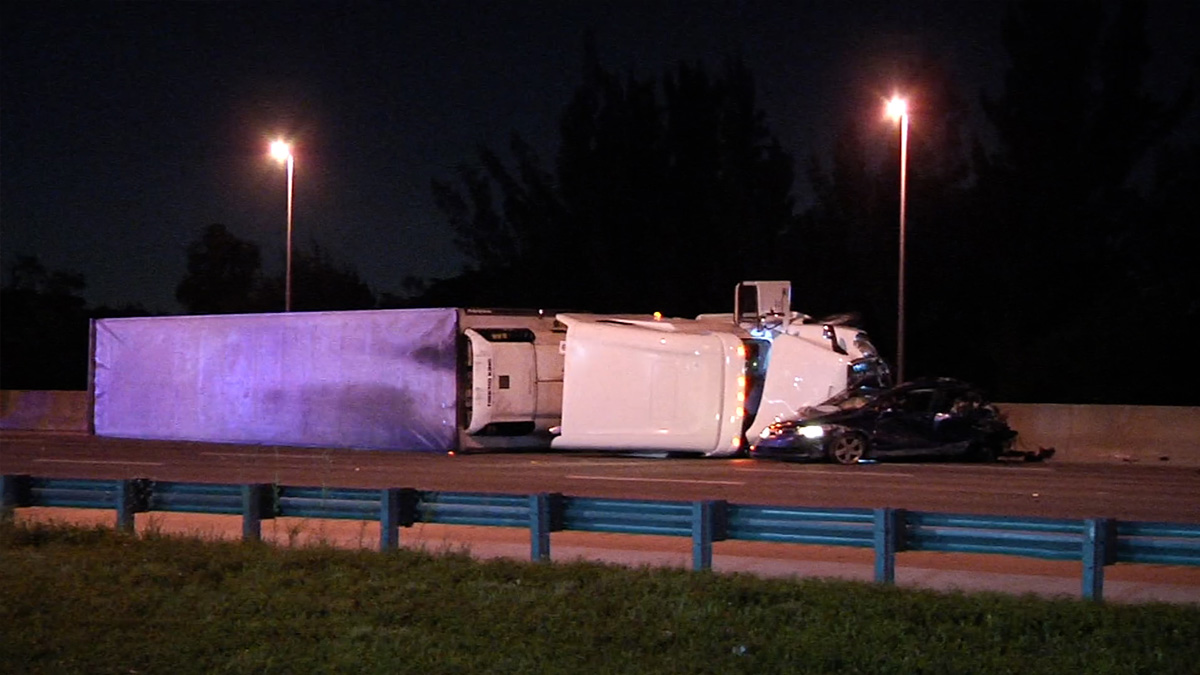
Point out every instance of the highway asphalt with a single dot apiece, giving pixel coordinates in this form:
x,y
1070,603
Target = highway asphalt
x,y
1128,492
1151,492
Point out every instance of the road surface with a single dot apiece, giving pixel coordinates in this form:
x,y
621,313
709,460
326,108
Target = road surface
x,y
1127,492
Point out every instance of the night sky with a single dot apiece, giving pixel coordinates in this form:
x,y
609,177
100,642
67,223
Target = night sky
x,y
128,127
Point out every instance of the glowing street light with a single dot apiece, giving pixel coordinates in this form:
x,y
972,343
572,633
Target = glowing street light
x,y
897,109
282,151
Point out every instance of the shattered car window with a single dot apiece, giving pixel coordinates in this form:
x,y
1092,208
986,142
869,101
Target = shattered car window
x,y
850,399
854,402
965,403
914,401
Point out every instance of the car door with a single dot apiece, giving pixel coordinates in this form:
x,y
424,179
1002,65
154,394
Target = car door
x,y
954,421
904,425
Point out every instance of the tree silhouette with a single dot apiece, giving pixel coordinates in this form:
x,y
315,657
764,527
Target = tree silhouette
x,y
1162,280
1056,198
43,328
320,283
224,275
1027,246
848,240
664,194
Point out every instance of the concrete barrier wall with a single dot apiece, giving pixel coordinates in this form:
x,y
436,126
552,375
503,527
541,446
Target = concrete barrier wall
x,y
44,410
1164,435
1109,433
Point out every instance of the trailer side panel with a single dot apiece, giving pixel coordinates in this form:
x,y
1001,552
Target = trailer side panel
x,y
382,379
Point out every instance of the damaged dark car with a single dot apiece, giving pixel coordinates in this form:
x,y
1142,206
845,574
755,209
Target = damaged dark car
x,y
940,417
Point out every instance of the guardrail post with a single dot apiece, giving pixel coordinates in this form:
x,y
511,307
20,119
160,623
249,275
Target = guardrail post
x,y
708,525
389,519
258,502
545,516
14,492
131,499
1099,549
889,539
397,508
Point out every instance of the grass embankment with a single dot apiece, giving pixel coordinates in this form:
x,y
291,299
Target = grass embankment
x,y
95,601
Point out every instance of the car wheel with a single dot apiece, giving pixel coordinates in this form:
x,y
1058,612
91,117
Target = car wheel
x,y
984,453
847,448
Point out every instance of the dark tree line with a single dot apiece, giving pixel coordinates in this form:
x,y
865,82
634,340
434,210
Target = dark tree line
x,y
43,328
1039,250
44,319
225,276
666,191
1059,202
1050,256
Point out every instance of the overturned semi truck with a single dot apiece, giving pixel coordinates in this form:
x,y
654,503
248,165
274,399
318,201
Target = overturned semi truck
x,y
450,379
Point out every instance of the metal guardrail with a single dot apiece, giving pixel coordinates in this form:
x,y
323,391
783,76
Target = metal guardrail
x,y
1096,542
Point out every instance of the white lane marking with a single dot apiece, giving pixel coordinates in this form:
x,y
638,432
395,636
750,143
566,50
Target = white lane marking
x,y
657,480
550,463
994,467
555,465
635,462
260,455
930,468
826,472
116,462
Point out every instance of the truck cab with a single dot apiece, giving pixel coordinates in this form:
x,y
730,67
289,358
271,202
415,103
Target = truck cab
x,y
649,383
805,364
795,361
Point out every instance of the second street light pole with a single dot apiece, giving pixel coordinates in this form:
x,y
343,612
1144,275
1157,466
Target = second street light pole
x,y
283,152
898,109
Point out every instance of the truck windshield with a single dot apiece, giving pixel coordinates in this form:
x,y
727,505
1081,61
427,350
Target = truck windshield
x,y
758,353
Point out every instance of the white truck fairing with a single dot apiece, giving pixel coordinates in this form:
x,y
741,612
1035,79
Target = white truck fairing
x,y
652,384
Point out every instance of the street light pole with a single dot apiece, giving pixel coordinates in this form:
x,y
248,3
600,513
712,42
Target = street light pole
x,y
287,279
898,109
283,152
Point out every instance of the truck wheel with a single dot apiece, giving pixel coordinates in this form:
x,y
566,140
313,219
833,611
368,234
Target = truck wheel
x,y
847,448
